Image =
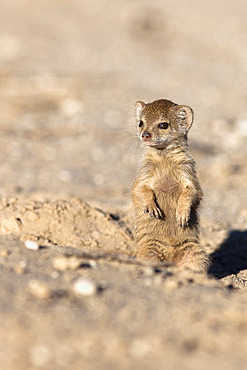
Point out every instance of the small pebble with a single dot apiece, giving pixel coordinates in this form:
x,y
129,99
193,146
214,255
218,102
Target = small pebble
x,y
171,284
21,268
64,263
4,253
90,264
32,216
39,289
84,287
140,348
148,271
32,245
40,355
55,274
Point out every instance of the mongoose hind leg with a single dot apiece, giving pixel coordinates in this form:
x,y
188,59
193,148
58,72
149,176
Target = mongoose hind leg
x,y
155,252
192,256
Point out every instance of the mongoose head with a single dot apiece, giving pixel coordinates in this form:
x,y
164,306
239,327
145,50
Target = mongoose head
x,y
162,123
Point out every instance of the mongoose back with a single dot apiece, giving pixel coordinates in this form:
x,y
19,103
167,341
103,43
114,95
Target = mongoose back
x,y
166,192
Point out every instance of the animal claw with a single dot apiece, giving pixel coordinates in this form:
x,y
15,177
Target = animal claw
x,y
154,212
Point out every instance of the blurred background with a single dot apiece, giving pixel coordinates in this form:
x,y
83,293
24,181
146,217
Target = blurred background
x,y
71,71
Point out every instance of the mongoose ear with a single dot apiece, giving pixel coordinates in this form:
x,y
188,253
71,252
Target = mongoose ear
x,y
139,108
185,117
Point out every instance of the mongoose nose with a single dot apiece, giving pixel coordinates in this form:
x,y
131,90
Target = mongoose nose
x,y
146,135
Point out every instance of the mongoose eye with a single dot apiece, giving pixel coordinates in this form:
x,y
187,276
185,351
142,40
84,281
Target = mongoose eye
x,y
164,125
140,123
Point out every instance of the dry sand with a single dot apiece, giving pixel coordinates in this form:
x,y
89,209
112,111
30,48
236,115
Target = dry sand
x,y
72,295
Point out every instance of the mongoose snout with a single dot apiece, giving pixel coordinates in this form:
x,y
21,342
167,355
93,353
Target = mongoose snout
x,y
146,135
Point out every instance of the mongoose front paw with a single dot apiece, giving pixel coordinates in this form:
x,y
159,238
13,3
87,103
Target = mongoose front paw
x,y
182,216
153,211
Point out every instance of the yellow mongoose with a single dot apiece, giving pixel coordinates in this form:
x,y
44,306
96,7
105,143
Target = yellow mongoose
x,y
166,192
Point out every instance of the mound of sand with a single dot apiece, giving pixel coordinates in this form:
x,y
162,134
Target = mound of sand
x,y
65,223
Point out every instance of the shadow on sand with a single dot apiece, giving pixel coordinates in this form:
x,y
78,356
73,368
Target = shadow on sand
x,y
231,256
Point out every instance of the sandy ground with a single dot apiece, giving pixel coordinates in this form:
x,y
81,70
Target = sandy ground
x,y
72,295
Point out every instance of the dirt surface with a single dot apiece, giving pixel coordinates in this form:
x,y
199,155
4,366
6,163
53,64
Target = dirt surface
x,y
72,294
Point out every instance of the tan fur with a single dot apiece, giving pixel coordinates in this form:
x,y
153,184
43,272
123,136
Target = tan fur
x,y
166,192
